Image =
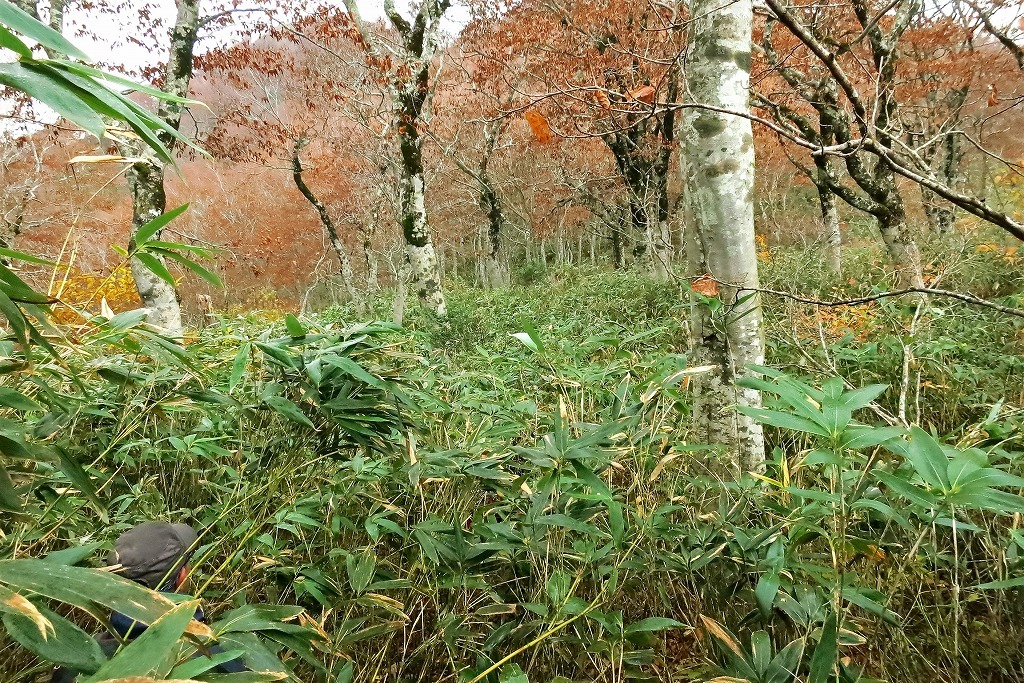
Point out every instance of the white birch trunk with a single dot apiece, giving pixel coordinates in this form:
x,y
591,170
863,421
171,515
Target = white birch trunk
x,y
720,193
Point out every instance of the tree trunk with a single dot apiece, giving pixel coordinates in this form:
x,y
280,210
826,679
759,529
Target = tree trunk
x,y
370,261
344,262
720,194
146,185
902,249
146,180
491,203
410,97
424,277
617,247
831,237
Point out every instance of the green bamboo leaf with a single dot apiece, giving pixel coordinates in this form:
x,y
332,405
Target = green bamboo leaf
x,y
148,652
289,410
33,29
27,258
824,658
60,96
777,418
202,272
926,456
652,624
201,664
154,226
81,480
98,74
87,589
9,498
238,366
17,400
914,494
14,44
19,605
352,368
65,644
155,266
1001,585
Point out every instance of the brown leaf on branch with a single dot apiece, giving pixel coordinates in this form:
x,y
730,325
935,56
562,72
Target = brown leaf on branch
x,y
539,126
643,94
705,285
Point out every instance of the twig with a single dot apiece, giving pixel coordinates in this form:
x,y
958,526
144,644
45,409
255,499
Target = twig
x,y
961,296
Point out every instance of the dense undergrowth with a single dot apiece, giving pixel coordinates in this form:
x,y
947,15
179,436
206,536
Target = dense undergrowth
x,y
510,494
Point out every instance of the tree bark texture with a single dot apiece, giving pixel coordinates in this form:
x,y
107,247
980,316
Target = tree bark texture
x,y
832,238
146,185
344,262
720,197
146,180
410,96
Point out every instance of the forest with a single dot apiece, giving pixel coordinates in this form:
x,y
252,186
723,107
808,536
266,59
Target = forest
x,y
512,341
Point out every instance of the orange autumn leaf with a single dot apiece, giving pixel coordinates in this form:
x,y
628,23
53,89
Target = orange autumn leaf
x,y
539,126
602,99
993,95
705,285
643,94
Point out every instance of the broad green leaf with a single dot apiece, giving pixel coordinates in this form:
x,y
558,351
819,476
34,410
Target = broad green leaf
x,y
91,72
145,654
527,341
294,327
19,605
786,664
81,480
9,498
651,624
14,44
914,494
1000,585
74,555
859,437
766,590
926,456
512,673
33,29
289,410
155,266
824,657
17,400
65,643
238,365
863,396
157,224
27,258
88,589
62,97
778,418
257,618
352,368
191,265
200,664
257,656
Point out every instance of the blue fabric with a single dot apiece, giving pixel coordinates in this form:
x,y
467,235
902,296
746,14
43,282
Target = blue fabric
x,y
128,629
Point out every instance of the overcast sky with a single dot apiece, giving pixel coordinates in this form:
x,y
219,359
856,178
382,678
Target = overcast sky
x,y
110,47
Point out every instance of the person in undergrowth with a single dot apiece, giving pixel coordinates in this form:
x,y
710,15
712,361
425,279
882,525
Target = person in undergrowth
x,y
155,554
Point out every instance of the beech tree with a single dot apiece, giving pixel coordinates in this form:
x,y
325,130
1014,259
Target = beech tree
x,y
726,318
406,64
